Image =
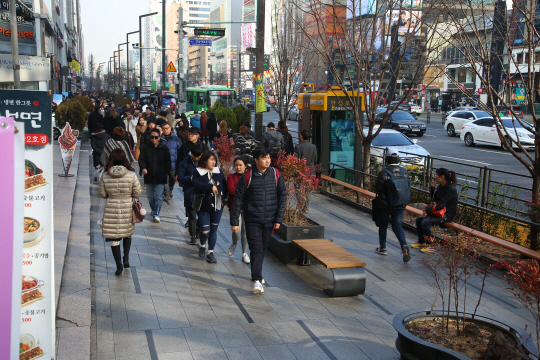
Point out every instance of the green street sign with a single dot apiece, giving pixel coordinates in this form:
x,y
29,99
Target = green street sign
x,y
154,86
166,84
210,31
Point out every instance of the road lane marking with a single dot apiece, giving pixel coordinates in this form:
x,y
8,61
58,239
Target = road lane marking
x,y
453,158
430,135
495,152
467,180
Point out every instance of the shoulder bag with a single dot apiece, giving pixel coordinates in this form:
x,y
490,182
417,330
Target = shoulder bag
x,y
138,211
438,213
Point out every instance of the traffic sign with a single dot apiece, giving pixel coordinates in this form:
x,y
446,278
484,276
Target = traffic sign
x,y
200,42
170,68
209,31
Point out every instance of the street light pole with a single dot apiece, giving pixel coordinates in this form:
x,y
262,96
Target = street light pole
x,y
14,45
120,64
127,41
163,44
259,45
140,50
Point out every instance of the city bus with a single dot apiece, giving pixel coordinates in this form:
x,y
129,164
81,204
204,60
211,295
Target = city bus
x,y
202,97
248,93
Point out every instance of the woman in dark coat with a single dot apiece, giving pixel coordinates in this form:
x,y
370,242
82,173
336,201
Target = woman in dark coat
x,y
212,126
111,121
210,184
117,142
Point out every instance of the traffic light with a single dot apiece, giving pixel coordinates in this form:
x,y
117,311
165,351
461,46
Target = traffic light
x,y
252,62
266,64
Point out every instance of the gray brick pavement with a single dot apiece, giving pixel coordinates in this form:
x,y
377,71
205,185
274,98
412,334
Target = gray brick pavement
x,y
172,305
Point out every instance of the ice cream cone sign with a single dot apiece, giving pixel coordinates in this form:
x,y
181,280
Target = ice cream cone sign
x,y
68,142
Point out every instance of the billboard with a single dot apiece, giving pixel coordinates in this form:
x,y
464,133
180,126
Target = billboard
x,y
248,36
360,7
407,21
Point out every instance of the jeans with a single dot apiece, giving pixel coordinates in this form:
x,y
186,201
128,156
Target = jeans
x,y
191,214
257,238
171,179
209,222
397,221
241,234
423,227
154,193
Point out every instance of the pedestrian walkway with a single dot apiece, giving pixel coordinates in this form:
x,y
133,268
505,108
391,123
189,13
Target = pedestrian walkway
x,y
172,305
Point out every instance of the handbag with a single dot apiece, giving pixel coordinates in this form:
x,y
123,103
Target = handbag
x,y
138,211
130,140
375,211
437,213
197,201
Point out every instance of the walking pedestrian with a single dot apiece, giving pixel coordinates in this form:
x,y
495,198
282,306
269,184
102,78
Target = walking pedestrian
x,y
284,131
445,198
261,195
223,129
130,125
182,130
149,115
110,121
211,188
173,143
93,119
390,178
140,129
161,119
155,165
119,185
98,140
232,182
117,142
305,149
185,178
195,119
145,137
212,126
204,129
273,141
193,138
248,125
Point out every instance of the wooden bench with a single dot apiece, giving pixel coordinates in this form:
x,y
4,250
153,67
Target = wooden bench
x,y
464,229
348,270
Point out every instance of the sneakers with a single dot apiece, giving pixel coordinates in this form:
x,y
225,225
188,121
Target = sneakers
x,y
193,240
406,254
231,249
257,287
186,225
245,259
157,219
418,245
381,251
428,250
202,251
211,258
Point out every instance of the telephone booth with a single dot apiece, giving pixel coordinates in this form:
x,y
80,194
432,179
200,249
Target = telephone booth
x,y
330,117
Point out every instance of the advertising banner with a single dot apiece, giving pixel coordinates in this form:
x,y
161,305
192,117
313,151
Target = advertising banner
x,y
406,21
260,102
33,68
248,36
37,314
58,98
342,139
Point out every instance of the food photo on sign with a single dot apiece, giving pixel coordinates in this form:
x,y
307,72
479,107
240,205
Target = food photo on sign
x,y
31,292
30,349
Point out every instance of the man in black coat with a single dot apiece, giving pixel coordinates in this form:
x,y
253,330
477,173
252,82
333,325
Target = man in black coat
x,y
145,137
261,194
155,164
305,149
94,118
212,126
193,138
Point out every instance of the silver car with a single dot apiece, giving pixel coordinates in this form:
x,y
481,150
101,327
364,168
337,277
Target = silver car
x,y
293,113
412,155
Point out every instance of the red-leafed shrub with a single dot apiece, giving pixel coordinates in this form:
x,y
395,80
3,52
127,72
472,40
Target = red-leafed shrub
x,y
224,146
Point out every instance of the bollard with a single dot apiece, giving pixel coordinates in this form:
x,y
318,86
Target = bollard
x,y
429,116
443,118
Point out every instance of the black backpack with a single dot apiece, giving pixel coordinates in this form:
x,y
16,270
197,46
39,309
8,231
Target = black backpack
x,y
273,144
398,188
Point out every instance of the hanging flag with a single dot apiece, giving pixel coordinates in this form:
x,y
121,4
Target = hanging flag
x,y
75,66
260,105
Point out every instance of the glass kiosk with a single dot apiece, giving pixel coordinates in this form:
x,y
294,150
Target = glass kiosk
x,y
330,117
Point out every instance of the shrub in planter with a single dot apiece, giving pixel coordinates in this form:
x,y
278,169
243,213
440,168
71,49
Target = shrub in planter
x,y
85,102
242,115
73,112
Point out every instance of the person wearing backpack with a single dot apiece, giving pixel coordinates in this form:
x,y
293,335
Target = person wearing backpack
x,y
273,141
393,190
260,197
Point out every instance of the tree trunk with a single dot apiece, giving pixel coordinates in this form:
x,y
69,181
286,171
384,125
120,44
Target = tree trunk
x,y
534,210
366,162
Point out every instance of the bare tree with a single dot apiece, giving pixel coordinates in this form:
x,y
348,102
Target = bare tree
x,y
365,55
290,59
92,66
476,36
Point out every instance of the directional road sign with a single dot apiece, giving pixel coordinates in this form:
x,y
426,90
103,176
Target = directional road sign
x,y
209,31
200,42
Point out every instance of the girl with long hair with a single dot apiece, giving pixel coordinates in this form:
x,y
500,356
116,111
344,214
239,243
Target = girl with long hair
x,y
232,181
119,185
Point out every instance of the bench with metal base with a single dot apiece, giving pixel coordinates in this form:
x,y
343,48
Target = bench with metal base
x,y
347,269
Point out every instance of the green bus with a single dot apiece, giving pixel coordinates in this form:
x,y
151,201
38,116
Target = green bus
x,y
202,97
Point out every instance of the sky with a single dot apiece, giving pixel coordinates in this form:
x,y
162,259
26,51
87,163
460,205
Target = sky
x,y
105,24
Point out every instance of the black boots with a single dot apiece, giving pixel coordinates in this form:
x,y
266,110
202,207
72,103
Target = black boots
x,y
127,246
117,258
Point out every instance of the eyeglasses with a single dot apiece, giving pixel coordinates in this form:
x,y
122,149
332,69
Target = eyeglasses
x,y
154,137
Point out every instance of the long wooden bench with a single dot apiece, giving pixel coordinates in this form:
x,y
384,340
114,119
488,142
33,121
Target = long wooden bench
x,y
464,229
348,270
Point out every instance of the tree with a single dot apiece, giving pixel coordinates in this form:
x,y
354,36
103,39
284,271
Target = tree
x,y
92,66
475,36
290,60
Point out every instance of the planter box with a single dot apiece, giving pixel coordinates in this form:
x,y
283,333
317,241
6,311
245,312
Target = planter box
x,y
410,346
281,241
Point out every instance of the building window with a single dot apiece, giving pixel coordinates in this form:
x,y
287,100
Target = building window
x,y
527,58
537,57
520,58
199,15
198,9
462,75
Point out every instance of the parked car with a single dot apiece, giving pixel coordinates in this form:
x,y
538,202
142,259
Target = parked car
x,y
251,105
403,105
466,108
411,153
516,109
56,131
484,132
456,119
293,113
402,122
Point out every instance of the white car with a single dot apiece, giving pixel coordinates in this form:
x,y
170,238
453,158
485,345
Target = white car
x,y
416,109
484,132
293,113
456,119
411,154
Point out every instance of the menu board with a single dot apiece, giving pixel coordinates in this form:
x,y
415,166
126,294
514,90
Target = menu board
x,y
33,108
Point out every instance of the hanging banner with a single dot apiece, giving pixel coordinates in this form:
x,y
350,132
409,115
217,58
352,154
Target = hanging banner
x,y
37,314
11,191
260,105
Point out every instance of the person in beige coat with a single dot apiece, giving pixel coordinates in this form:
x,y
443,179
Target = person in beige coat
x,y
119,185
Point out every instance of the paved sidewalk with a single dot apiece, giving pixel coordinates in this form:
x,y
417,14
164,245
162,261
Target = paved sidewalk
x,y
172,305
